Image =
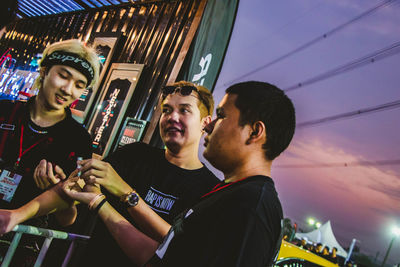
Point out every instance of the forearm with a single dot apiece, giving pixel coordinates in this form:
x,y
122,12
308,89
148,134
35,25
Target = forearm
x,y
67,216
136,245
149,221
47,202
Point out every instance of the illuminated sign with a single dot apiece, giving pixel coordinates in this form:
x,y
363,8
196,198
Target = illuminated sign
x,y
111,107
13,82
107,114
6,56
132,131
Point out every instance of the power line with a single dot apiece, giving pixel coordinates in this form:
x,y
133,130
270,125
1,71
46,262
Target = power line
x,y
313,41
388,51
280,29
386,106
340,164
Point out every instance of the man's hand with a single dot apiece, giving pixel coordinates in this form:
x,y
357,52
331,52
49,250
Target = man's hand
x,y
45,175
99,172
74,190
7,220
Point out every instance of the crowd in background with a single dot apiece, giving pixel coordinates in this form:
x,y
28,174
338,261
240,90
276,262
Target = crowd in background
x,y
322,251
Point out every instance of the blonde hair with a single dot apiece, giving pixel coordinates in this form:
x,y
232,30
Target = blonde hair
x,y
77,47
206,109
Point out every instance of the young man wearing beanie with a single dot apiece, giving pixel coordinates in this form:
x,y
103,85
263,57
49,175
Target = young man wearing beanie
x,y
42,128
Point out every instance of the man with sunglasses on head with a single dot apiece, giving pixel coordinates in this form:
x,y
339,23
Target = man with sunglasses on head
x,y
238,222
166,181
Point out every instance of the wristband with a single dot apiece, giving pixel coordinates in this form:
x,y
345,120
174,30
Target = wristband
x,y
93,201
96,210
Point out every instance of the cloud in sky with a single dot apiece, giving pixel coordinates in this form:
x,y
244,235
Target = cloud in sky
x,y
357,199
360,201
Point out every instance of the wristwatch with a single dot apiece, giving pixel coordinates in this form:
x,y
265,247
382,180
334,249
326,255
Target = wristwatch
x,y
131,199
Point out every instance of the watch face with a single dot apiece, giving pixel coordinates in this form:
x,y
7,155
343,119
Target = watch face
x,y
133,199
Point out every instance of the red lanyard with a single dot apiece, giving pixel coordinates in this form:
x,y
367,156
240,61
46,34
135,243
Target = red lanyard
x,y
221,186
21,153
10,120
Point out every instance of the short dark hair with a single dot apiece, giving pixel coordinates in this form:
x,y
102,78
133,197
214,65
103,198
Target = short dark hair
x,y
261,101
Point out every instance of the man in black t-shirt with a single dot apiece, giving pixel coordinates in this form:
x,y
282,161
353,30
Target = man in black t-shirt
x,y
169,181
41,133
237,223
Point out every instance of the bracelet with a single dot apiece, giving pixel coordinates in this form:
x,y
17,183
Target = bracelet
x,y
97,197
96,210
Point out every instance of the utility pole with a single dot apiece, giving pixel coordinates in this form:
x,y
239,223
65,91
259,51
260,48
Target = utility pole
x,y
388,250
376,256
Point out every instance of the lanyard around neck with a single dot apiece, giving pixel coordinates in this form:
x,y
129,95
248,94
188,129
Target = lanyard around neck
x,y
222,185
21,140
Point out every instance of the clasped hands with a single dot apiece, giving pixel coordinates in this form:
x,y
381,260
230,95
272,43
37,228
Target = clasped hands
x,y
94,172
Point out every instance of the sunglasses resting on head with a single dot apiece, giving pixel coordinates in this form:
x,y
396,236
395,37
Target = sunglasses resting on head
x,y
184,90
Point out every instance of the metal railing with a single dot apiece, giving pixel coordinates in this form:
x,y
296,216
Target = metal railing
x,y
49,236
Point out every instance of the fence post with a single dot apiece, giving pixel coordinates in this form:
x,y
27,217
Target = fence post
x,y
11,249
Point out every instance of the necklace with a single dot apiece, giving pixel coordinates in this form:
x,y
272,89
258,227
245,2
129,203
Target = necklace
x,y
36,131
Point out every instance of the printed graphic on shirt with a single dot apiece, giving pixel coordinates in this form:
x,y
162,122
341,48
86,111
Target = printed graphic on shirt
x,y
160,201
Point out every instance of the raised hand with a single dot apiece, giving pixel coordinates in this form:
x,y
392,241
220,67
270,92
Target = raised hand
x,y
46,175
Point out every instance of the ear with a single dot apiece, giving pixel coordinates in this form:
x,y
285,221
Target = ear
x,y
258,133
205,121
43,72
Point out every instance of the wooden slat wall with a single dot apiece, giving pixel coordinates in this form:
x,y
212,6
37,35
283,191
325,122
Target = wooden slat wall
x,y
155,34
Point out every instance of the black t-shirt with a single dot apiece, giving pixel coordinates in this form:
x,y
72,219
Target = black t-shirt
x,y
59,144
165,187
238,225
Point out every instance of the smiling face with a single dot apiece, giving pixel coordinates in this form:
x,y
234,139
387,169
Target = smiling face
x,y
181,123
61,86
